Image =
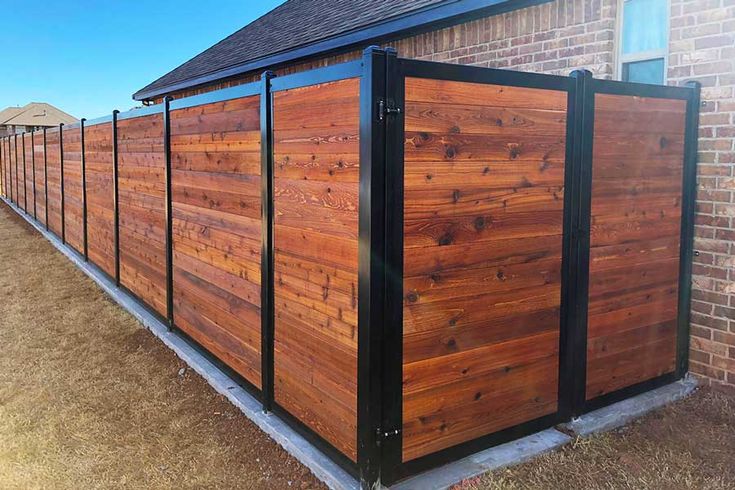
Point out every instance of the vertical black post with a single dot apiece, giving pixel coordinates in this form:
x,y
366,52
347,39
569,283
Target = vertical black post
x,y
25,176
61,166
17,175
686,247
582,138
85,239
33,171
169,218
267,310
115,196
45,180
371,266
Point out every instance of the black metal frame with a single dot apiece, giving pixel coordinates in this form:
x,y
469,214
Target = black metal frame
x,y
61,165
115,198
85,238
380,276
45,181
267,309
33,170
168,214
25,179
691,96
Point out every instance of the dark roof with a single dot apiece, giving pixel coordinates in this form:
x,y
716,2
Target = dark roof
x,y
322,25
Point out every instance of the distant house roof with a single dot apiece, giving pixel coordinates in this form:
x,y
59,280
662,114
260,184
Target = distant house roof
x,y
8,113
300,29
35,114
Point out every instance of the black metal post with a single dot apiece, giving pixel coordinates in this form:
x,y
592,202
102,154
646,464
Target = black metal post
x,y
686,247
371,267
17,175
85,244
169,218
115,196
582,138
61,166
267,310
45,180
25,176
33,171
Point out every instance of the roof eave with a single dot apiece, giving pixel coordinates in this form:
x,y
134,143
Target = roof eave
x,y
412,23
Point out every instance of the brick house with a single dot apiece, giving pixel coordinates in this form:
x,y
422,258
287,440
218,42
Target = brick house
x,y
652,41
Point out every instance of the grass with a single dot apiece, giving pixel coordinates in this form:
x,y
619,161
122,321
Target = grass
x,y
90,399
689,444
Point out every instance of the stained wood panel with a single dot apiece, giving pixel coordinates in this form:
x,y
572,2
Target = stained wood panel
x,y
38,154
100,196
483,212
6,166
53,172
316,187
215,158
73,226
638,153
142,207
27,161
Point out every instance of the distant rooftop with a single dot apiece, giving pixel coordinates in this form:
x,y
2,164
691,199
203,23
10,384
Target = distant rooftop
x,y
35,114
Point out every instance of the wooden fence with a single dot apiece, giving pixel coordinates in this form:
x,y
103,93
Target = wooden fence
x,y
407,261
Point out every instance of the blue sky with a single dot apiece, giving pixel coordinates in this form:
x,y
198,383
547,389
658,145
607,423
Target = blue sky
x,y
88,57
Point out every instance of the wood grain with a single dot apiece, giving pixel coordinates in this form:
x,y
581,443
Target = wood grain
x,y
483,212
635,228
53,171
316,188
215,158
100,196
73,199
142,207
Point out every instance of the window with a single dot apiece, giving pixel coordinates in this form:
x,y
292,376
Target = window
x,y
644,38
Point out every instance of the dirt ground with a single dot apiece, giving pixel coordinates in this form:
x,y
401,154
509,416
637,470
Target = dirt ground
x,y
689,444
90,399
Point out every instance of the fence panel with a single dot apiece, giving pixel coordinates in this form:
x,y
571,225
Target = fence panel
x,y
53,174
638,153
73,226
6,166
216,215
141,191
483,224
39,176
316,187
27,160
100,196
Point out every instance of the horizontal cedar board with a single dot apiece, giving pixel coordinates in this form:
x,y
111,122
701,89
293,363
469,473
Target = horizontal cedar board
x,y
100,208
28,176
216,218
316,189
142,205
483,219
635,230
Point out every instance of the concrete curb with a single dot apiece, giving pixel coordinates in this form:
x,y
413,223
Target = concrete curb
x,y
620,413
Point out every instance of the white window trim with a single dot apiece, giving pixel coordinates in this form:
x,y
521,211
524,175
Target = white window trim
x,y
621,58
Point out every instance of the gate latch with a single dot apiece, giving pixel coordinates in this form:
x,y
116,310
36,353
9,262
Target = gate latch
x,y
387,108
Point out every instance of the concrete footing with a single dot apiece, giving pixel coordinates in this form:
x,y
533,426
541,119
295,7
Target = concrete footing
x,y
325,469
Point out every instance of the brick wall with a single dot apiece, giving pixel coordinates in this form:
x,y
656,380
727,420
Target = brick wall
x,y
564,35
702,48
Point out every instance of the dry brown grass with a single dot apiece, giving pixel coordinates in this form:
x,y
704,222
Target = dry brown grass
x,y
689,444
90,399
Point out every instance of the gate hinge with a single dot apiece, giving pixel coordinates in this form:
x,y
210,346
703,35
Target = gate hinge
x,y
387,108
387,434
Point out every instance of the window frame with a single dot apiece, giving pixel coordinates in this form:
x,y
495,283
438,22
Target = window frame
x,y
621,59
